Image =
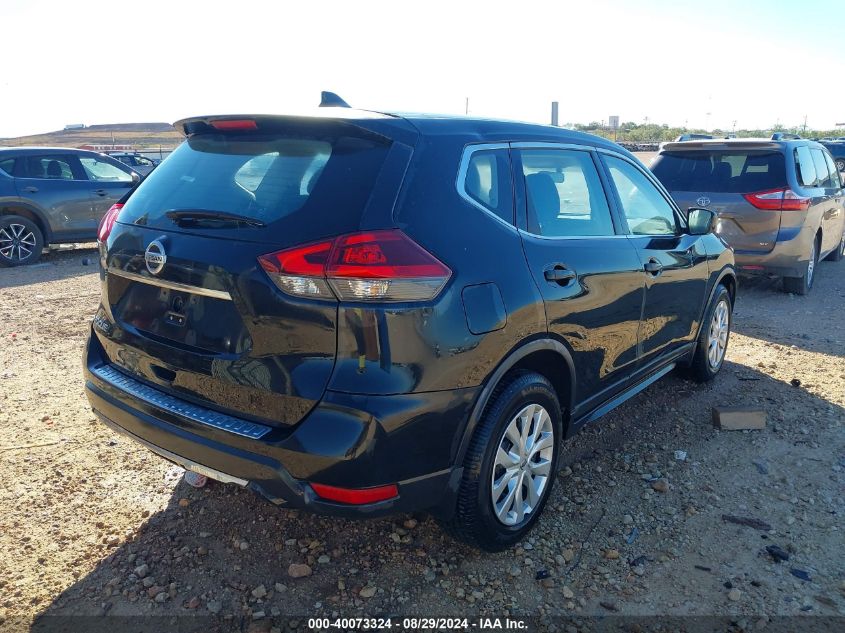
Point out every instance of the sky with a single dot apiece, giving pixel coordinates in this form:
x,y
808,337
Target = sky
x,y
706,63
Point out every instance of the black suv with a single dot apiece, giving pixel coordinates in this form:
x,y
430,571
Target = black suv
x,y
54,195
361,313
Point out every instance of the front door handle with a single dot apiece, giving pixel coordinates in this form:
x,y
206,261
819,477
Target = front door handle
x,y
653,267
101,192
31,189
559,274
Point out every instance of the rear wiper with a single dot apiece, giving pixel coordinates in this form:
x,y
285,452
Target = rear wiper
x,y
198,215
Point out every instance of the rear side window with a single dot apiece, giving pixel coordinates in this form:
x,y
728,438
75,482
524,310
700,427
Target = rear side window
x,y
48,167
488,182
821,168
734,171
267,177
806,167
564,194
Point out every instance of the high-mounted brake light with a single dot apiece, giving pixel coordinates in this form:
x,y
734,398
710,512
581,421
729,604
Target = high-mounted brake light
x,y
356,496
107,223
783,199
234,124
370,266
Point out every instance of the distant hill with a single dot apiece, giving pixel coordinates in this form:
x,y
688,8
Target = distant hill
x,y
141,135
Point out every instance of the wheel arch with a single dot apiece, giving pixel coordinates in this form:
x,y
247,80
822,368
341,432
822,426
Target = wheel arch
x,y
549,358
10,207
726,277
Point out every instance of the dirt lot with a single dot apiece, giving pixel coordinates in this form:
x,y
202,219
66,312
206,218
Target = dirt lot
x,y
92,524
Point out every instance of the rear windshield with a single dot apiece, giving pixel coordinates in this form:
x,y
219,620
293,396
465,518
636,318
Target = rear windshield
x,y
721,172
271,178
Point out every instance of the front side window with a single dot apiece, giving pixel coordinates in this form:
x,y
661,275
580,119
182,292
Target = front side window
x,y
102,171
488,182
48,167
835,181
7,166
645,208
821,168
144,162
806,167
564,194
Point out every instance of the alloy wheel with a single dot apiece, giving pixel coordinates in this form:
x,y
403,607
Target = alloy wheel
x,y
16,242
717,340
522,466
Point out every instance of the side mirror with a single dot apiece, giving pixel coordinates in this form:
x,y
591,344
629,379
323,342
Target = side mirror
x,y
136,177
701,221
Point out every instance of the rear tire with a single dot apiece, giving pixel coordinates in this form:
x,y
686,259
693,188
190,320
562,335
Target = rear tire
x,y
838,253
803,284
524,407
840,165
21,241
713,336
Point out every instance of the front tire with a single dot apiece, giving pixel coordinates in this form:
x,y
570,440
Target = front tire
x,y
840,165
803,284
21,241
713,337
510,465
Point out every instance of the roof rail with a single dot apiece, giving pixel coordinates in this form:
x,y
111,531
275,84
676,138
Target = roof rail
x,y
784,136
331,100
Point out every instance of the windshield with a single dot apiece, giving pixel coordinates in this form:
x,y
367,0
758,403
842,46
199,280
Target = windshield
x,y
268,178
734,171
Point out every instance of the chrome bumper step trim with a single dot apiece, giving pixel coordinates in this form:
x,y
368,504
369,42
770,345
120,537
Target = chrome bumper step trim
x,y
170,285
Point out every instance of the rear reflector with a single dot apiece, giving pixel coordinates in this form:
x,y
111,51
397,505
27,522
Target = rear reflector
x,y
356,496
107,223
371,266
234,124
777,200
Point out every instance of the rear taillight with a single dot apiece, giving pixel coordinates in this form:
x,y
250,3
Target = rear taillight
x,y
371,266
778,200
107,223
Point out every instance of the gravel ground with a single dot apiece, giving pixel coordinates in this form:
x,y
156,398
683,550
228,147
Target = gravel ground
x,y
93,524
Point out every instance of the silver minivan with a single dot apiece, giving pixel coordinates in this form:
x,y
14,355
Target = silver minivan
x,y
779,202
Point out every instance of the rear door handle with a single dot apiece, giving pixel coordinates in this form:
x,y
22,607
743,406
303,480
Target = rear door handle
x,y
559,274
31,189
101,192
653,267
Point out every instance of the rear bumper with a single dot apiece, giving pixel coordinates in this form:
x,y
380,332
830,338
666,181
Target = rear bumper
x,y
788,258
347,441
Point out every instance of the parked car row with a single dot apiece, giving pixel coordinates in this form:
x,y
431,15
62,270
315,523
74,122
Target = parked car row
x,y
362,313
55,196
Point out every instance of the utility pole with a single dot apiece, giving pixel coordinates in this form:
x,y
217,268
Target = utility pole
x,y
555,113
466,106
805,124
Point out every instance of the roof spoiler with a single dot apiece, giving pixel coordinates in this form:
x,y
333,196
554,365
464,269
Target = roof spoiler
x,y
331,100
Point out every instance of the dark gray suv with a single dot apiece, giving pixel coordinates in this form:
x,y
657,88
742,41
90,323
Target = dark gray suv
x,y
53,196
779,202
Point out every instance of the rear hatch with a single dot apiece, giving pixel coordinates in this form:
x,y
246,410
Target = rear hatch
x,y
189,306
743,185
